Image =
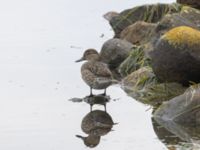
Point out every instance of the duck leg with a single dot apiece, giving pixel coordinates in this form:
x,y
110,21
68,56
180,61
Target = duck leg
x,y
104,94
91,92
90,107
105,108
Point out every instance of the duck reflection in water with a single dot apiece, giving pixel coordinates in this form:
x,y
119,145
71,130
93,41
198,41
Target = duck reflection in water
x,y
97,100
93,100
96,123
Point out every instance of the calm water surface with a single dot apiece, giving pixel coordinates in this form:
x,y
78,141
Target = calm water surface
x,y
39,41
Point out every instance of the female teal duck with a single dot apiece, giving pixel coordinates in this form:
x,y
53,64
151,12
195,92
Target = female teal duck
x,y
95,73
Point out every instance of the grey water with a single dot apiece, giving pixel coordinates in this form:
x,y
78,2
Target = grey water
x,y
39,42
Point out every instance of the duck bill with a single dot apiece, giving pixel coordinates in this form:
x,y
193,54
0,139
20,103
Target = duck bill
x,y
79,136
79,60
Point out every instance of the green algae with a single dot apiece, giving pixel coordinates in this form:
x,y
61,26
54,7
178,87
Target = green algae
x,y
147,13
136,60
143,86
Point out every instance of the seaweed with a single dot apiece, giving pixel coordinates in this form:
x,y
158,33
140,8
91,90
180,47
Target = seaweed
x,y
136,60
143,86
148,13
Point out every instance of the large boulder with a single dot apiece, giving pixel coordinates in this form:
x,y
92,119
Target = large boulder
x,y
181,116
170,139
176,136
138,33
186,17
176,56
192,3
147,13
182,110
115,51
143,86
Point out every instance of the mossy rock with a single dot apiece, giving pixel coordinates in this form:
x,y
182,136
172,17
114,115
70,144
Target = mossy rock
x,y
143,86
187,17
134,61
176,56
148,13
138,33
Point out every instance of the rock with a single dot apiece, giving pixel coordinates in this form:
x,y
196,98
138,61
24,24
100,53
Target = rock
x,y
138,33
147,13
110,15
114,51
192,3
176,136
165,136
138,78
187,17
143,86
183,109
142,32
134,61
176,56
191,14
171,21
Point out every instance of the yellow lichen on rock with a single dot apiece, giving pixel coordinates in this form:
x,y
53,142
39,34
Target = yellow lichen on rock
x,y
182,35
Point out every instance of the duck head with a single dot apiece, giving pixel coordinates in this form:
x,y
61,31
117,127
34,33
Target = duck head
x,y
90,141
90,55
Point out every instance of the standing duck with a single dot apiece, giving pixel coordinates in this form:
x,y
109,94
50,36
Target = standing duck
x,y
95,73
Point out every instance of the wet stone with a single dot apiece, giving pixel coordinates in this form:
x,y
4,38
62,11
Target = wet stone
x,y
114,51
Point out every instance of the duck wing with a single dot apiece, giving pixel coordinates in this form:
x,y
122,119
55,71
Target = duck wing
x,y
98,69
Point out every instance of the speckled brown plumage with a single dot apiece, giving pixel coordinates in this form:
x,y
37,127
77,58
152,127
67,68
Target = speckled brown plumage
x,y
95,73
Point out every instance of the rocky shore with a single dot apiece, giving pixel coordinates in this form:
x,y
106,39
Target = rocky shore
x,y
155,52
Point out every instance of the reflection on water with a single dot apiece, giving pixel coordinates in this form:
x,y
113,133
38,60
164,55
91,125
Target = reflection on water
x,y
96,123
97,99
176,136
